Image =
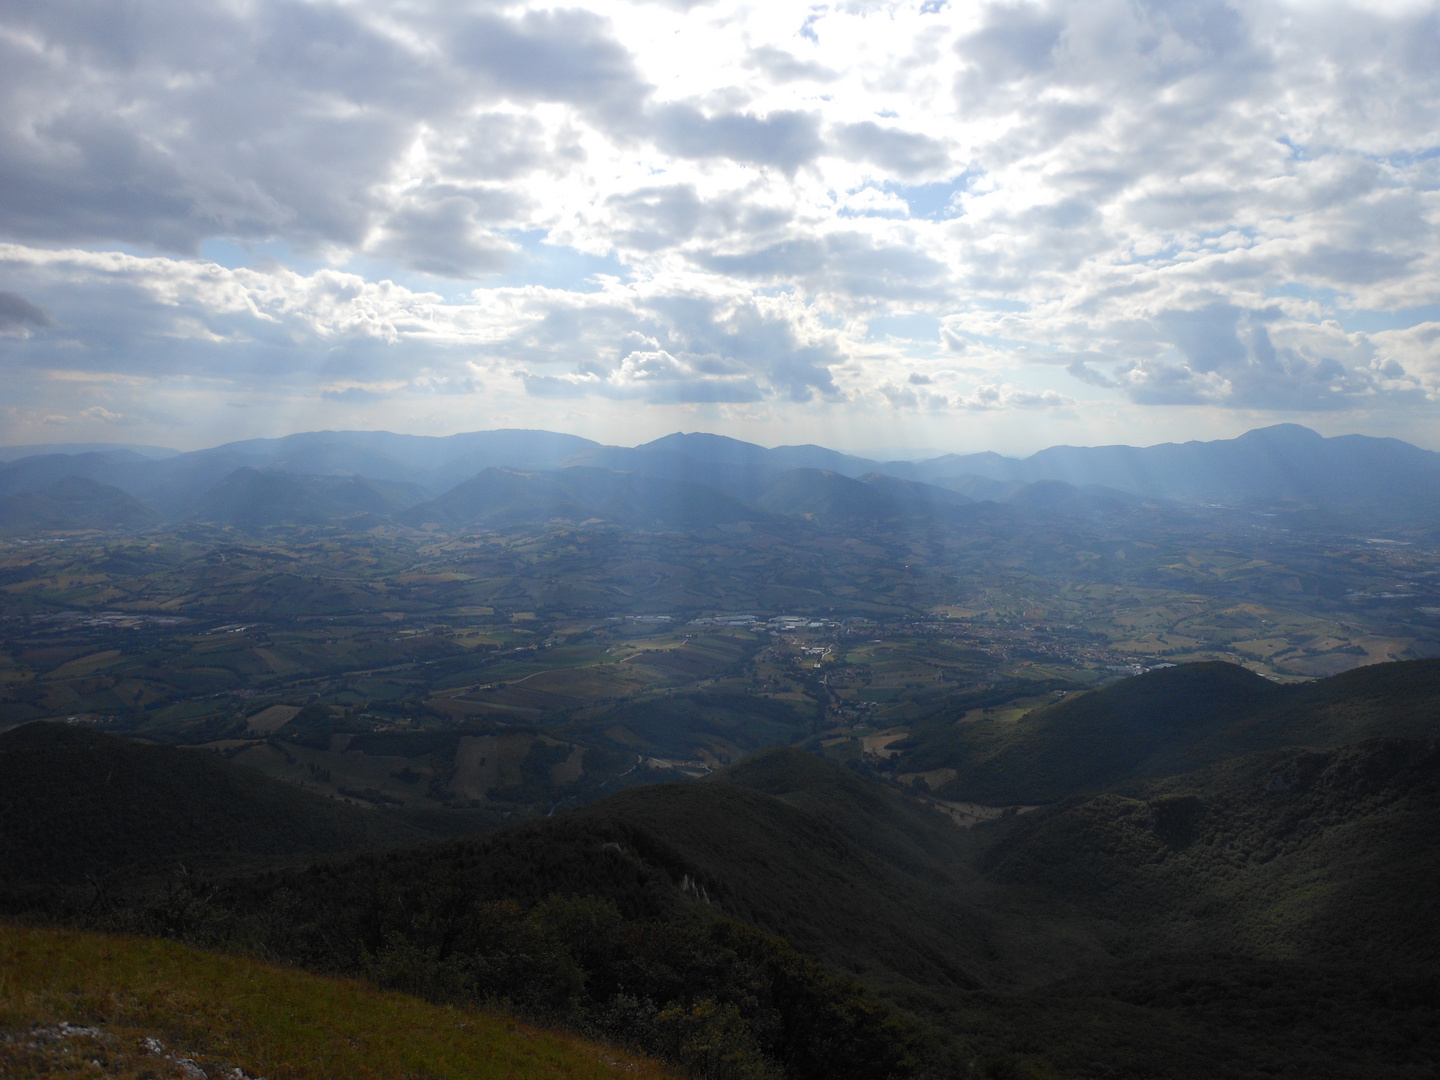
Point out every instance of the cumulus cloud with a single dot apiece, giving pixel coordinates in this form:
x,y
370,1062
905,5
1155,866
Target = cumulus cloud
x,y
850,264
563,55
902,153
991,397
785,67
443,230
1144,204
787,138
653,376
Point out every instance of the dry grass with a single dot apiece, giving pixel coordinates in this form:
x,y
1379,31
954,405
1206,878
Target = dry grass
x,y
217,1014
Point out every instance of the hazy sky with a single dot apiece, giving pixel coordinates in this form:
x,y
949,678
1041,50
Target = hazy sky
x,y
935,224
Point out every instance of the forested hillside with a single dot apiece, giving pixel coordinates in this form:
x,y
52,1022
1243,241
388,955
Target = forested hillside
x,y
1268,911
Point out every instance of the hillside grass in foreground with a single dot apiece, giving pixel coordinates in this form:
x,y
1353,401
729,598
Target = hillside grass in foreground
x,y
225,1013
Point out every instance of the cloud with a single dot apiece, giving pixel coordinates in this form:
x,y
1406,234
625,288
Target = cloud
x,y
1087,374
953,341
846,263
674,347
442,230
653,218
902,397
986,397
1017,40
1158,205
784,67
20,316
653,376
563,55
786,138
1227,356
990,397
904,153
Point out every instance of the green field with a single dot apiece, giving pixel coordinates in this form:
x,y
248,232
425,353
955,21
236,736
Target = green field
x,y
570,635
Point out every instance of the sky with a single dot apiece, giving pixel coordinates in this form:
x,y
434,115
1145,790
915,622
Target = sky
x,y
938,225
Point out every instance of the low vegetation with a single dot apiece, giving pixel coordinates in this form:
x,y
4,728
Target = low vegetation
x,y
84,1004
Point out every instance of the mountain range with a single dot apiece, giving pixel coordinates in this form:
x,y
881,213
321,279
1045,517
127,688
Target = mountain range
x,y
509,477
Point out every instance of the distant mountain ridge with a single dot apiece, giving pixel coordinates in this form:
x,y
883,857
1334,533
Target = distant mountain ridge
x,y
1283,462
73,502
377,476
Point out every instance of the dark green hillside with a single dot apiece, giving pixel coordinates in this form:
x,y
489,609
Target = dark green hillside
x,y
1279,911
1400,700
1325,855
1168,722
649,502
498,497
1058,497
250,498
1269,916
505,497
853,873
889,826
727,725
830,498
76,803
1090,741
593,923
875,911
72,502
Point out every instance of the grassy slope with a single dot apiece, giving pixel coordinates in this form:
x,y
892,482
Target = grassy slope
x,y
75,802
228,1012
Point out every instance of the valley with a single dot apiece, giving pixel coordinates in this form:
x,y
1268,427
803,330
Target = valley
x,y
640,656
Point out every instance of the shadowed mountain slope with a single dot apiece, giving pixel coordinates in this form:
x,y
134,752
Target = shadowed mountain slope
x,y
251,498
865,899
1327,855
501,497
1067,500
41,471
75,803
894,828
73,502
1091,933
434,462
1168,722
829,498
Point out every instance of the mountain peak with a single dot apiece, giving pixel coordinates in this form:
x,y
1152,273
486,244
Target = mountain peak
x,y
1294,434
